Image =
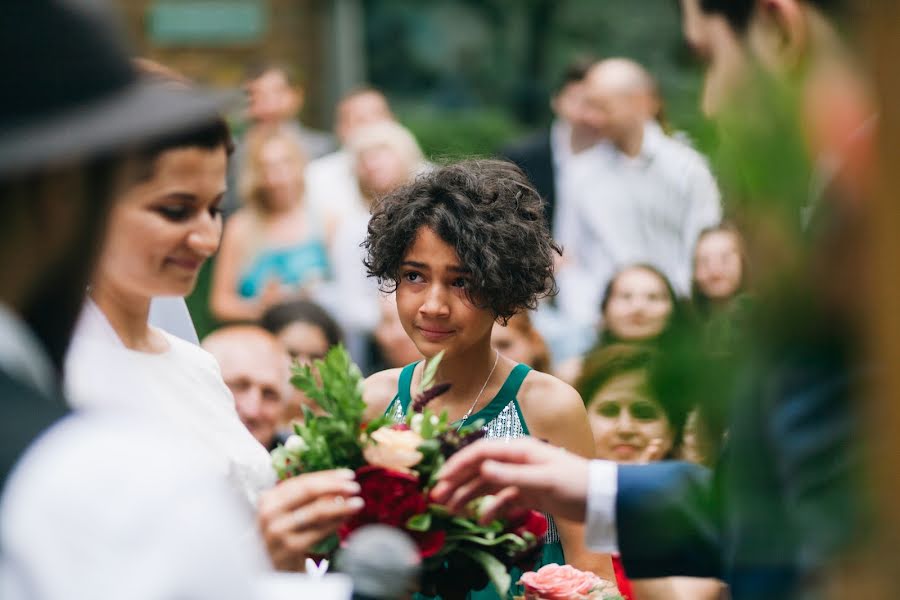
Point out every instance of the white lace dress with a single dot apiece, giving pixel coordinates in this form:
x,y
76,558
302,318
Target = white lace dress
x,y
183,387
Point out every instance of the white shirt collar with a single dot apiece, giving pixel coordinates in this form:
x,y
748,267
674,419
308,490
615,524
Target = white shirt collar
x,y
22,355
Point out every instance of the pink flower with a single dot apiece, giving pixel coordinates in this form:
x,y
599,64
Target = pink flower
x,y
555,582
393,448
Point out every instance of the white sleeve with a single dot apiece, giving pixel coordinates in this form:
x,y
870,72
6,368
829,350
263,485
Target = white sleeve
x,y
104,508
600,522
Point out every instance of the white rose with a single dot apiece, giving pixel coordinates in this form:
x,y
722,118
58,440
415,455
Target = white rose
x,y
295,443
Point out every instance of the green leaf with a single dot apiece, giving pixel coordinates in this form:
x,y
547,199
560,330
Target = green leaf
x,y
494,569
510,538
419,522
431,368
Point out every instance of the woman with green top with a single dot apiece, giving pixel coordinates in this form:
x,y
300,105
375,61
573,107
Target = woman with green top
x,y
463,247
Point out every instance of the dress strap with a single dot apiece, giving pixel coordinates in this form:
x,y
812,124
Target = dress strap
x,y
403,386
506,396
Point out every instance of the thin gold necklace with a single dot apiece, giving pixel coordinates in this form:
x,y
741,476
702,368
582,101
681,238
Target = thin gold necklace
x,y
478,397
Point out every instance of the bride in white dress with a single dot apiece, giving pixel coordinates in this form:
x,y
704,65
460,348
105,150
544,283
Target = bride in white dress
x,y
165,224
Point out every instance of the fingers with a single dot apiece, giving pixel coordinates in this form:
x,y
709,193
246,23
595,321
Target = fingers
x,y
654,451
530,481
301,490
504,502
466,464
321,511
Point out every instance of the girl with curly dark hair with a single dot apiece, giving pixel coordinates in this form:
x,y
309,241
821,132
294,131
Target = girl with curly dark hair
x,y
463,247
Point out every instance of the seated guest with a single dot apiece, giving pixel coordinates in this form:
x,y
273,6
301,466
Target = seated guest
x,y
632,425
306,331
519,341
386,156
638,305
274,247
393,346
720,267
255,369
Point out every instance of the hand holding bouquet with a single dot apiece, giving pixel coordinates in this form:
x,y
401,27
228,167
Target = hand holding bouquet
x,y
396,465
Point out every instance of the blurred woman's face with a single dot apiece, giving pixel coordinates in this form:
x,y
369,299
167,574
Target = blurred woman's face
x,y
512,343
281,173
717,265
162,229
629,426
305,342
380,169
639,306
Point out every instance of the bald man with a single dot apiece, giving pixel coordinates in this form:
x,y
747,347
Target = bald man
x,y
644,201
256,368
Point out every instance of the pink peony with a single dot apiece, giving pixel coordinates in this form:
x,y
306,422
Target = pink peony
x,y
555,582
393,448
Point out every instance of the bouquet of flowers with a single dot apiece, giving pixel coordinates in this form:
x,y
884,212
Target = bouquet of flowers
x,y
396,466
555,582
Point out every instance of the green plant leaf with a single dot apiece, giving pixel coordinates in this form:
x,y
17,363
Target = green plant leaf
x,y
496,572
419,522
431,368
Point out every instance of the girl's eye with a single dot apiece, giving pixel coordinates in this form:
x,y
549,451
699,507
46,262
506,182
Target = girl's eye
x,y
174,213
412,277
215,211
460,282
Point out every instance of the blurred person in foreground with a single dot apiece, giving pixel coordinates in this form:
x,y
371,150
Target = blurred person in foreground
x,y
307,332
164,224
386,156
255,367
784,506
331,181
80,510
645,201
275,247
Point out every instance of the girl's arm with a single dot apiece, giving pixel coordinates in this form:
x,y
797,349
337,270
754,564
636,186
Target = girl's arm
x,y
224,301
555,413
379,389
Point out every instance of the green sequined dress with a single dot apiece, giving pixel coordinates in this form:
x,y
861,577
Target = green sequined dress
x,y
503,421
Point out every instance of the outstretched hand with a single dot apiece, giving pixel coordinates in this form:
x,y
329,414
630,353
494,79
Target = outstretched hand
x,y
523,473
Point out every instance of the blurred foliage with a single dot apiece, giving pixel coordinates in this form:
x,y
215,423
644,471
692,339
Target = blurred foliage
x,y
481,63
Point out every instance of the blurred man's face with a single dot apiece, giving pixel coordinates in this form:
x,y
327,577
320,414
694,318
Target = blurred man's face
x,y
361,111
255,370
715,42
272,99
611,114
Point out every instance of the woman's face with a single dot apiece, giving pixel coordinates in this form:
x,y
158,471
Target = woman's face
x,y
380,169
305,343
432,302
639,305
629,426
717,265
281,173
163,229
512,343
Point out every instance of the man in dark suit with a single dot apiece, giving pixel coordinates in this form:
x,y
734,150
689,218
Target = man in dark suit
x,y
784,502
541,155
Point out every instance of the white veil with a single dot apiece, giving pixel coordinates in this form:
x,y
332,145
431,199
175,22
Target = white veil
x,y
171,314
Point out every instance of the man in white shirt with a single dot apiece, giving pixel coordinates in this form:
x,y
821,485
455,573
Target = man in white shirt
x,y
644,200
91,507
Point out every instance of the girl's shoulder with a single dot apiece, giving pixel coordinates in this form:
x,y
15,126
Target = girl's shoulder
x,y
543,398
379,389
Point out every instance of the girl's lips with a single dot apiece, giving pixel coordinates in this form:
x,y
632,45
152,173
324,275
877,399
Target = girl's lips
x,y
190,264
435,335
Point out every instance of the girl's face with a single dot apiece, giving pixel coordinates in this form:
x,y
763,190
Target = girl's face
x,y
639,305
431,299
163,229
281,173
513,344
380,169
717,265
626,421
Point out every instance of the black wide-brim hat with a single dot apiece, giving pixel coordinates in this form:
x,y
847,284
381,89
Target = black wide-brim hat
x,y
70,91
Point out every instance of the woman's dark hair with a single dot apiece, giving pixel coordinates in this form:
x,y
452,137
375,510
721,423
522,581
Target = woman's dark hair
x,y
280,316
702,303
208,135
679,312
608,362
489,213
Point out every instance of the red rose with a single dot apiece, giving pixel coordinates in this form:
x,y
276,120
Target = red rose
x,y
391,498
531,521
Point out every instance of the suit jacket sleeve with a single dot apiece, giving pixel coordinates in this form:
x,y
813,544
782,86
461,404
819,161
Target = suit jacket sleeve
x,y
665,521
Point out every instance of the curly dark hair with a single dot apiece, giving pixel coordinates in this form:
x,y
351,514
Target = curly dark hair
x,y
491,215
